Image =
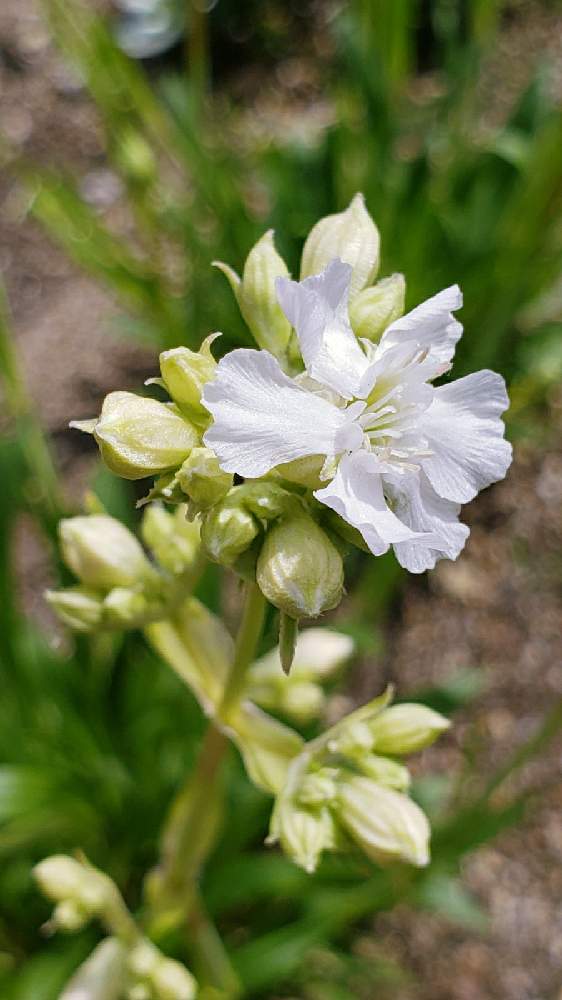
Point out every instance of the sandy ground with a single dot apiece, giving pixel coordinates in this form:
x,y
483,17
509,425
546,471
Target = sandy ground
x,y
498,609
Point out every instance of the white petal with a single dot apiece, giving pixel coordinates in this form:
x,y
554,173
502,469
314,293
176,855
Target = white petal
x,y
465,433
317,308
417,504
431,326
262,418
356,494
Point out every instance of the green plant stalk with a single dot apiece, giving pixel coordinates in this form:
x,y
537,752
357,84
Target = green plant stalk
x,y
194,812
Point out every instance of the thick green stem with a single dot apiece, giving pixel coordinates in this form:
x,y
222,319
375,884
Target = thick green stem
x,y
190,831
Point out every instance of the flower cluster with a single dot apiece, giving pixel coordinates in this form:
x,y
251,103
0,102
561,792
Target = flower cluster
x,y
331,434
346,787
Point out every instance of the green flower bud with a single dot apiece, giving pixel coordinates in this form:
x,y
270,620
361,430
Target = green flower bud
x,y
69,916
102,552
185,373
77,607
385,824
171,981
350,235
167,979
256,295
174,541
373,309
299,570
101,976
138,436
202,478
404,729
302,701
80,892
227,530
318,788
125,608
384,771
303,833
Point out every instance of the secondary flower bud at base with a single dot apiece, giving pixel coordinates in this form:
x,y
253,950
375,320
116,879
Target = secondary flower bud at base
x,y
139,436
299,570
185,372
102,552
376,308
202,479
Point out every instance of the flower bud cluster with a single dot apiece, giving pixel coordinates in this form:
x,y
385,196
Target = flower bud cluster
x,y
319,654
343,789
126,960
119,586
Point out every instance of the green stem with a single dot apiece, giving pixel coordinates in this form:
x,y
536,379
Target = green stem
x,y
188,837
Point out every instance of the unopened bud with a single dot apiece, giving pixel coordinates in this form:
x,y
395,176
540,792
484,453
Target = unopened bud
x,y
202,479
317,788
373,309
386,824
404,729
59,877
302,701
171,981
69,916
77,607
227,530
101,976
304,833
256,295
173,539
299,570
185,373
384,771
79,891
125,608
350,235
102,552
139,436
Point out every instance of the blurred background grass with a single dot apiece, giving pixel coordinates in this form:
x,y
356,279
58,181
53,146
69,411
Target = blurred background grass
x,y
223,120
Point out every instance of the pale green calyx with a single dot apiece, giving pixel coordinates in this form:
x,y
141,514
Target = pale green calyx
x,y
385,824
227,531
303,832
139,436
407,728
256,296
353,237
375,308
80,608
79,891
185,373
202,479
164,978
299,570
102,552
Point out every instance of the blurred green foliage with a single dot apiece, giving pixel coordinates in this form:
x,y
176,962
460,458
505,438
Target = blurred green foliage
x,y
94,739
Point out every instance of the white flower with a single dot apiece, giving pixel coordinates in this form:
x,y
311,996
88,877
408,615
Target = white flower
x,y
400,455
